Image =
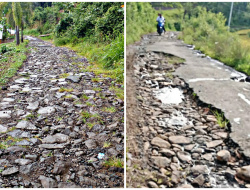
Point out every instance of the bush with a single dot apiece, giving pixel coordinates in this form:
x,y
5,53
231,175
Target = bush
x,y
248,34
61,41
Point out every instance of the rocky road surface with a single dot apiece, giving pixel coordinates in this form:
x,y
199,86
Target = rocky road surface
x,y
173,138
54,122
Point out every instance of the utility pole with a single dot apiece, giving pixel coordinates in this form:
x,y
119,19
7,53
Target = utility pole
x,y
230,16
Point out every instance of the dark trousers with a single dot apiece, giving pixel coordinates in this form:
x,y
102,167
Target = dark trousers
x,y
158,28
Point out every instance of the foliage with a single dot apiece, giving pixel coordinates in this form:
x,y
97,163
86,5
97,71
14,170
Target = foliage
x,y
207,31
114,162
141,19
11,60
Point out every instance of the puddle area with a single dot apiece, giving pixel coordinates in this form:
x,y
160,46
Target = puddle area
x,y
169,95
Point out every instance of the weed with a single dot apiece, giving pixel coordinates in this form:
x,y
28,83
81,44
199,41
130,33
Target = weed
x,y
30,116
220,119
65,89
106,144
118,91
89,104
114,162
169,75
64,75
91,125
85,115
109,109
95,80
85,97
50,154
97,89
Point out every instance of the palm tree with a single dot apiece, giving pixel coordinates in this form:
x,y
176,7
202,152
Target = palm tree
x,y
17,15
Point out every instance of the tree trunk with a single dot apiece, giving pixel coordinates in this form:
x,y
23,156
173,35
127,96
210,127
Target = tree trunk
x,y
22,34
17,36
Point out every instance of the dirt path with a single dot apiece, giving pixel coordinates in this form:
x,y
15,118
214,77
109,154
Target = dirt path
x,y
173,137
54,122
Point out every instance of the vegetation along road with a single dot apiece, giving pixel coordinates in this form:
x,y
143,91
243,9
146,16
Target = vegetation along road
x,y
62,111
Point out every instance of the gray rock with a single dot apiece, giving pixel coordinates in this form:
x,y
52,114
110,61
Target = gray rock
x,y
157,141
10,171
213,144
74,78
46,110
57,138
61,167
33,106
35,141
167,152
186,186
47,182
112,152
16,149
88,91
68,185
23,143
112,126
208,157
52,146
179,140
176,177
19,134
184,156
199,180
243,173
199,169
3,129
161,162
90,143
31,157
26,125
5,114
4,162
223,156
152,184
22,161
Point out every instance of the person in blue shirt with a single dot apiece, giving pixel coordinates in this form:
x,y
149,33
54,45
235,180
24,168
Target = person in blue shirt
x,y
160,18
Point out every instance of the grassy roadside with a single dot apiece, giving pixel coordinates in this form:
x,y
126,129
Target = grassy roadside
x,y
12,58
141,19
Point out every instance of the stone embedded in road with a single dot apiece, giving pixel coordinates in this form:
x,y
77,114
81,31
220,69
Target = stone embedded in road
x,y
46,110
5,114
57,138
47,182
61,167
157,141
161,162
88,91
90,143
152,184
199,169
26,125
17,133
23,161
223,156
199,180
243,173
180,140
184,156
213,144
8,100
10,171
33,105
52,146
3,129
74,78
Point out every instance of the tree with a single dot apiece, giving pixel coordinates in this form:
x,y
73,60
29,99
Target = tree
x,y
17,15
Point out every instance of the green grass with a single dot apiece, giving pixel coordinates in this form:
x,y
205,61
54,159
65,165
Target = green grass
x,y
85,97
118,91
106,144
62,89
109,109
64,75
221,121
114,162
12,60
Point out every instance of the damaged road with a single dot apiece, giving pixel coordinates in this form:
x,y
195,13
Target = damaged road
x,y
174,138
